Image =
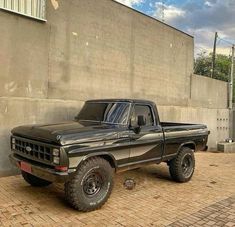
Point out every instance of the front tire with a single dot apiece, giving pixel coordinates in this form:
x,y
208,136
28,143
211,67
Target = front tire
x,y
35,181
91,186
182,167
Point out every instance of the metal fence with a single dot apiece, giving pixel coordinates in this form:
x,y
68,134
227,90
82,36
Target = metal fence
x,y
31,8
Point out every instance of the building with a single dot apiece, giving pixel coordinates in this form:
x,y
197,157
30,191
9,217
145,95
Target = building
x,y
56,54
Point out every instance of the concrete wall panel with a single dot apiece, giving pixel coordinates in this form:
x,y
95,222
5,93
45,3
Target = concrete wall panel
x,y
23,56
108,50
217,120
207,92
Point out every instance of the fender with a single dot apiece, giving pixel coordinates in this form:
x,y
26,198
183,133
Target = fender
x,y
185,145
110,158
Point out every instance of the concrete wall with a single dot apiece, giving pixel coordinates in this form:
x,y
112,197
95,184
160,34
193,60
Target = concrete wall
x,y
208,93
101,50
85,50
209,102
217,120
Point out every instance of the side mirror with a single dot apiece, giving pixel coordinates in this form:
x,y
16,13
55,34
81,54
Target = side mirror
x,y
141,121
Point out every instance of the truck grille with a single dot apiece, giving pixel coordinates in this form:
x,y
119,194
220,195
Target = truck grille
x,y
33,150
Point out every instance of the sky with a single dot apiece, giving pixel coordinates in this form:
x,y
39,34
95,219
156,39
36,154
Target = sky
x,y
199,18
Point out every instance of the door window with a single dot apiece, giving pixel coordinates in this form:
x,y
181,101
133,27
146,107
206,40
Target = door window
x,y
144,111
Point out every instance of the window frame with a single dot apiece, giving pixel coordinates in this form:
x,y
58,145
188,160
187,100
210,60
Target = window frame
x,y
151,110
26,15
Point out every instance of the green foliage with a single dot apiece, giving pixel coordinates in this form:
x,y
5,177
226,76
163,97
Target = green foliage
x,y
203,65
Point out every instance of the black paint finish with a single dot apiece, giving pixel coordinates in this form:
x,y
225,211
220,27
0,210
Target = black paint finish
x,y
122,146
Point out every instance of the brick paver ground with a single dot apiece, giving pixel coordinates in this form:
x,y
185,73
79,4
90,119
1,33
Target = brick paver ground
x,y
207,200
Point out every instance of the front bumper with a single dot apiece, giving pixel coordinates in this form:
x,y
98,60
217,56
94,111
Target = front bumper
x,y
42,172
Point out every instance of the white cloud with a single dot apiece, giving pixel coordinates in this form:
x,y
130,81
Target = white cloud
x,y
198,18
204,40
202,21
170,12
131,3
207,3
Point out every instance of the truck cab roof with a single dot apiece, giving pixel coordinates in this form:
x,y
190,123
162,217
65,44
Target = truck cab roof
x,y
142,101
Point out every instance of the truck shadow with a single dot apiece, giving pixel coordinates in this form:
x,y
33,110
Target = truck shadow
x,y
53,195
151,172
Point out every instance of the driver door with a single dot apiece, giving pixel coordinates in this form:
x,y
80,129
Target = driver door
x,y
146,145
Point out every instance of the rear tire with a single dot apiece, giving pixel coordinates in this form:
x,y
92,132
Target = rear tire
x,y
91,186
182,167
35,181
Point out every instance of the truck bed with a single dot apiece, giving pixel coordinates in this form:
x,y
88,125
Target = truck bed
x,y
174,125
180,132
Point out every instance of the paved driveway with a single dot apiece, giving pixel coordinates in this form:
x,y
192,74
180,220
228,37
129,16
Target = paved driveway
x,y
207,200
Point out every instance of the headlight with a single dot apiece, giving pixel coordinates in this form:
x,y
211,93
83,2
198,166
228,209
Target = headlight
x,y
56,155
56,160
56,152
13,143
13,140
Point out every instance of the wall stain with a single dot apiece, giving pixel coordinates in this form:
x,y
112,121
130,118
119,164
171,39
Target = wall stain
x,y
55,4
11,86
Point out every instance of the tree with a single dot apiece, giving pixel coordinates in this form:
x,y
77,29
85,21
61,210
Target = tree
x,y
202,66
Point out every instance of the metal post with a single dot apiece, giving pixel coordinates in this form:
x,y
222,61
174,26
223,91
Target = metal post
x,y
163,11
231,81
231,112
213,57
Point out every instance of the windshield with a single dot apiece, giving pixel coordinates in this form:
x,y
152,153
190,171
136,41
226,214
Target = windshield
x,y
110,112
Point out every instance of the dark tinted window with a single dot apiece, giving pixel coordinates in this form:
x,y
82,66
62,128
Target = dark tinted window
x,y
145,111
116,113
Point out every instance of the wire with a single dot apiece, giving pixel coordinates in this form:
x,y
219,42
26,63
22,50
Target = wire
x,y
218,42
201,48
226,41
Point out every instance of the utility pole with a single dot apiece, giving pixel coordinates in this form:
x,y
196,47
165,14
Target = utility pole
x,y
163,11
231,81
231,112
213,56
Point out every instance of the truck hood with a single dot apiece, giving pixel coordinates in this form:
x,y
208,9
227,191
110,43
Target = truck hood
x,y
66,133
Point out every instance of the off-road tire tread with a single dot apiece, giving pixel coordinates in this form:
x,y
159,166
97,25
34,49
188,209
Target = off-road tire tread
x,y
70,187
175,168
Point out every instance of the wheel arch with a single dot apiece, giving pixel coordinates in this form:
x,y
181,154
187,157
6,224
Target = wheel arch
x,y
105,155
189,144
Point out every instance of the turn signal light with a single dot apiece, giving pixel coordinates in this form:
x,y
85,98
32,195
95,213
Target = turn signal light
x,y
61,168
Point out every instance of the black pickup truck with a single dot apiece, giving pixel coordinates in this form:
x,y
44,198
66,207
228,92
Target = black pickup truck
x,y
107,136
